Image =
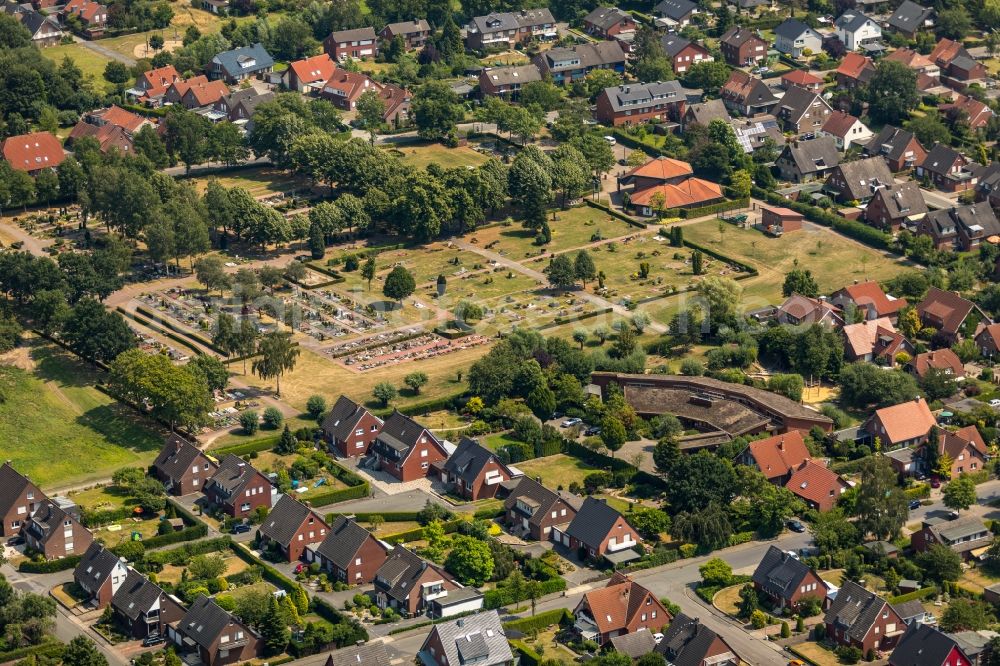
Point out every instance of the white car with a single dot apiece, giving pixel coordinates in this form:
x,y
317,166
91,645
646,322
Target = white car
x,y
657,637
569,423
995,402
610,139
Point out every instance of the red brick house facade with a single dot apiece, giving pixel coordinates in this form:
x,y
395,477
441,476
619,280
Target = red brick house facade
x,y
19,499
861,619
600,530
785,580
474,472
292,526
239,489
405,449
351,553
182,467
350,429
623,607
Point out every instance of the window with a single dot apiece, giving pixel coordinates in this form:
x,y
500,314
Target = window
x,y
194,482
359,431
553,514
225,639
423,453
31,495
643,617
423,465
194,470
357,561
300,537
654,615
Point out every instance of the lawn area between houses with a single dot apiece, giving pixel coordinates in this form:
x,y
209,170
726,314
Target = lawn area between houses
x,y
556,471
816,653
834,260
258,181
234,565
91,63
57,428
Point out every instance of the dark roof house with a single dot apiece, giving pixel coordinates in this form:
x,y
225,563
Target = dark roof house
x,y
687,642
241,63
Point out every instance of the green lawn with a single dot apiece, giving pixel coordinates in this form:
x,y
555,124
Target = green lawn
x,y
421,155
834,260
571,229
100,498
555,471
91,63
258,181
58,429
621,268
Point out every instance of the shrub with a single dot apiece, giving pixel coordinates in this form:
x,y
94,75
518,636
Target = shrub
x,y
848,654
250,422
758,619
785,630
316,405
273,418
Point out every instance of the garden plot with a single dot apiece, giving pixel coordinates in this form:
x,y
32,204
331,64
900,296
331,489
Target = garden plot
x,y
484,288
669,268
413,349
532,310
228,407
327,315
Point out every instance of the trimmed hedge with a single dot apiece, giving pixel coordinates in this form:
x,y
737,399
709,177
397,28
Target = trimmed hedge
x,y
501,596
187,534
180,556
528,656
373,345
744,268
333,616
330,273
540,621
688,213
340,495
559,321
416,409
105,516
418,533
49,566
270,574
614,213
919,491
487,514
387,516
49,648
921,594
256,446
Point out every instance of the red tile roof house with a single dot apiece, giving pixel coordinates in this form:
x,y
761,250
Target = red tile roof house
x,y
405,449
290,527
350,553
906,424
100,573
671,178
875,340
742,48
600,531
33,152
900,148
776,457
944,360
968,536
868,297
356,44
988,340
408,583
802,79
777,220
784,580
113,127
608,22
143,607
414,33
924,645
182,467
947,169
747,95
846,130
239,489
151,86
397,104
689,642
217,637
854,70
862,619
309,74
622,607
349,429
473,471
93,16
817,485
19,499
953,316
344,88
967,110
54,533
966,449
533,511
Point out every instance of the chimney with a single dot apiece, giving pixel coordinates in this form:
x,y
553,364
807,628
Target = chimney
x,y
781,444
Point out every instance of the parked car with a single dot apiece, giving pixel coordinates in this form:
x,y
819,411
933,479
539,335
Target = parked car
x,y
592,430
953,515
16,540
569,423
610,139
658,637
995,402
935,482
796,526
914,504
241,528
153,639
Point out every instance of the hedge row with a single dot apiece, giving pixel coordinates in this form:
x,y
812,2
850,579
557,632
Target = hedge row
x,y
50,648
453,334
187,534
105,516
689,213
528,656
205,342
270,574
540,621
918,492
411,535
921,594
486,514
744,268
432,405
851,228
636,144
162,331
340,495
559,321
501,596
180,556
333,616
246,448
145,110
616,214
49,566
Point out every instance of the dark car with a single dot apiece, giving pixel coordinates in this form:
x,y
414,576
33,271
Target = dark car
x,y
592,430
952,515
914,504
153,639
15,540
935,482
241,528
796,526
